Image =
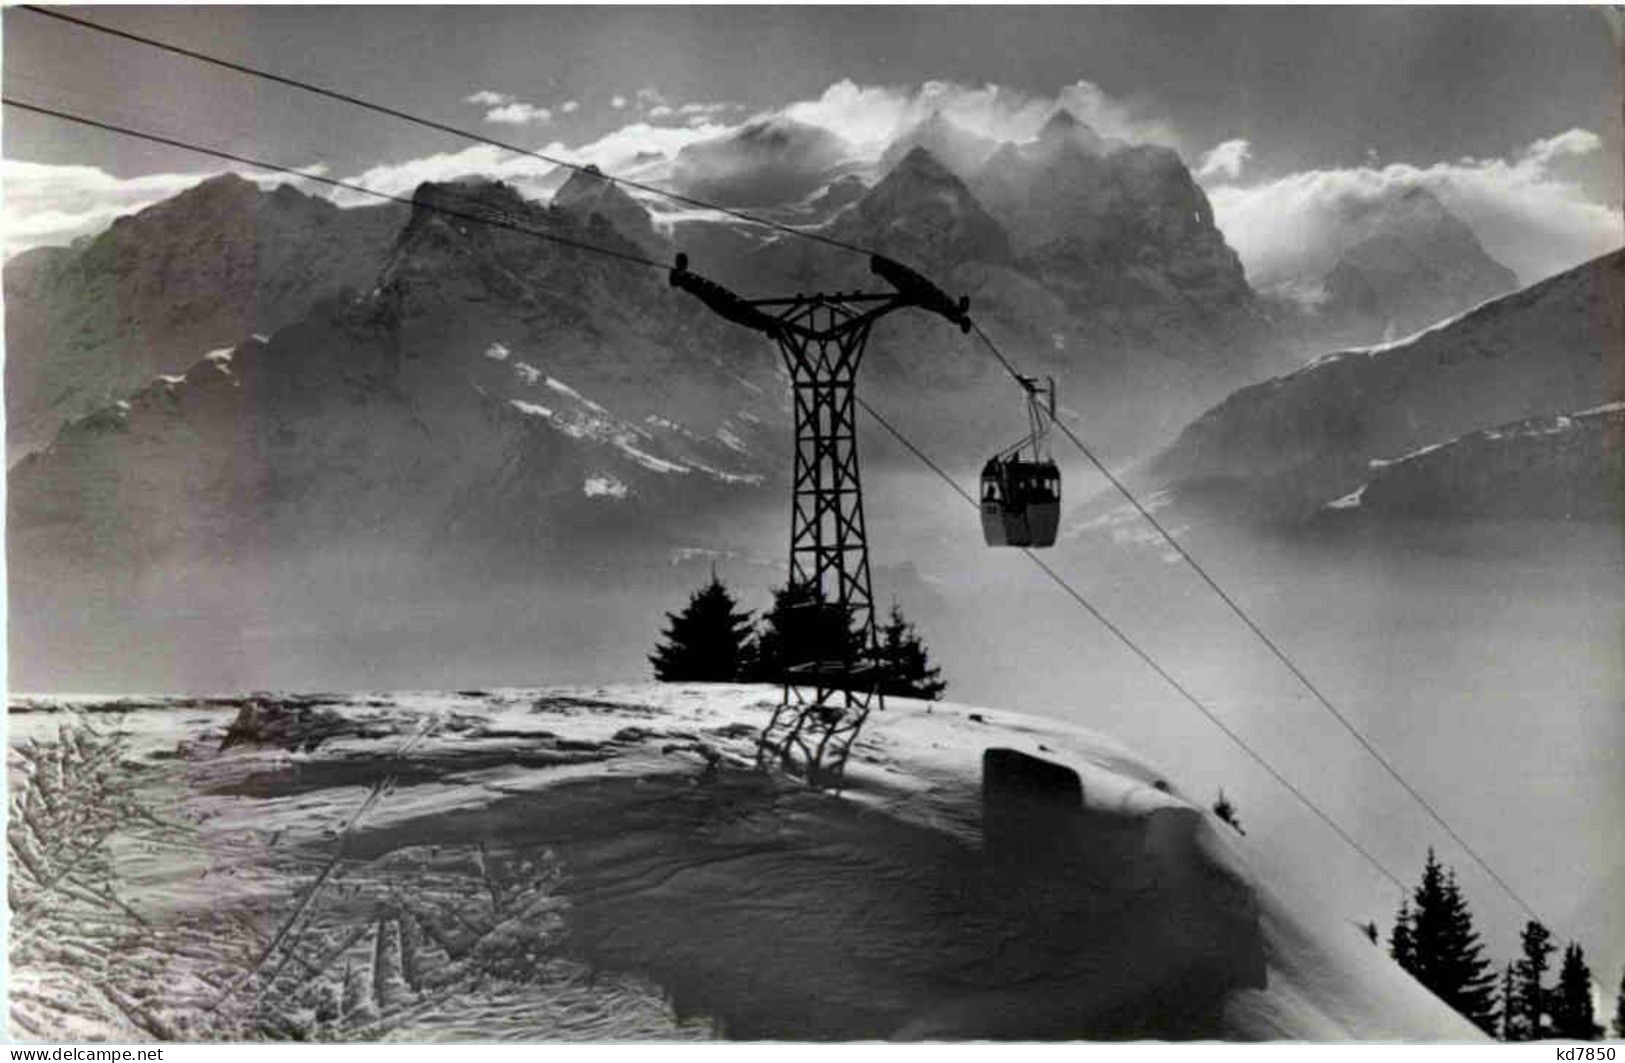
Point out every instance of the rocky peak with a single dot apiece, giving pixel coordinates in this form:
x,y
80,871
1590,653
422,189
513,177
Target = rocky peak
x,y
1065,129
769,162
921,211
1396,263
589,194
921,166
199,271
221,186
478,196
956,147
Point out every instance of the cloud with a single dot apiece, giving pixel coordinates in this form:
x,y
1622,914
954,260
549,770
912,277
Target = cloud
x,y
696,112
51,204
1523,210
714,107
519,114
1574,143
870,116
1225,161
867,116
639,151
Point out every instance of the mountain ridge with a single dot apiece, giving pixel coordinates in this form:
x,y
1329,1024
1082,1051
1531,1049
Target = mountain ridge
x,y
1296,442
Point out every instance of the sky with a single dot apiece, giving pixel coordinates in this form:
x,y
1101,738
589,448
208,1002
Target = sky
x,y
1510,114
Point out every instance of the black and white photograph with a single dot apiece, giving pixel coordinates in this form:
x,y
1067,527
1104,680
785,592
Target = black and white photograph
x,y
929,523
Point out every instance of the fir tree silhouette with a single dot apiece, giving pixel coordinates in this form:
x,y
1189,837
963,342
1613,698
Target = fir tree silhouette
x,y
1573,1018
708,642
1467,976
1225,809
803,628
1512,1027
1400,945
906,670
1531,970
1444,950
1619,1010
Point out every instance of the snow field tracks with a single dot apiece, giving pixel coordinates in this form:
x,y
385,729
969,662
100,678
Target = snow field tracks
x,y
147,907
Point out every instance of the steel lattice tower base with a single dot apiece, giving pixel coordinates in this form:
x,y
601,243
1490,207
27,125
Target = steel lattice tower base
x,y
822,338
826,702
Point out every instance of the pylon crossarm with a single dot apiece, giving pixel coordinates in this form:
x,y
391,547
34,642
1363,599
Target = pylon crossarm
x,y
721,300
793,321
917,291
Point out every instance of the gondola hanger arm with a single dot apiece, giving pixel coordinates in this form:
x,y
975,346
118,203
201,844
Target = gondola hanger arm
x,y
918,291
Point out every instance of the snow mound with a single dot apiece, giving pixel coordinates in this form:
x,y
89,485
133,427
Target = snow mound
x,y
605,864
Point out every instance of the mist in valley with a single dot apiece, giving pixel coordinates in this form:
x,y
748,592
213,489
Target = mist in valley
x,y
1481,659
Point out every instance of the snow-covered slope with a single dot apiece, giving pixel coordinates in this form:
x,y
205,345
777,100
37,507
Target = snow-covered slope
x,y
1285,447
603,864
1565,466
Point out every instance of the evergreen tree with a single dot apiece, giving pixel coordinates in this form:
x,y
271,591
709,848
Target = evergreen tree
x,y
1537,951
1573,1018
803,628
1400,944
1225,809
1371,932
1619,1009
1435,941
906,670
708,642
1512,1028
1466,978
1428,922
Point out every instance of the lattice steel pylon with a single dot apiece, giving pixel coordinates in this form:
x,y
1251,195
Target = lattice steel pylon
x,y
822,339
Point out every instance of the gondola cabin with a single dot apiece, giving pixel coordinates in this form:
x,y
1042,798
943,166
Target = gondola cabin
x,y
1021,502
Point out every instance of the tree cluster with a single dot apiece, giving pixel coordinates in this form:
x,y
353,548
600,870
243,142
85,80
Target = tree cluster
x,y
1433,938
711,640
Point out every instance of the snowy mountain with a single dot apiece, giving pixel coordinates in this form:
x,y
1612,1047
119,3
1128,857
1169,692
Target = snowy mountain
x,y
1393,265
485,409
203,270
1144,323
1286,447
1570,466
586,864
920,212
470,402
768,162
957,148
1124,237
587,194
1058,183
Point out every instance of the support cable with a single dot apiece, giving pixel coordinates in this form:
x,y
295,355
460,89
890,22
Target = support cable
x,y
481,219
1264,637
1151,662
429,123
